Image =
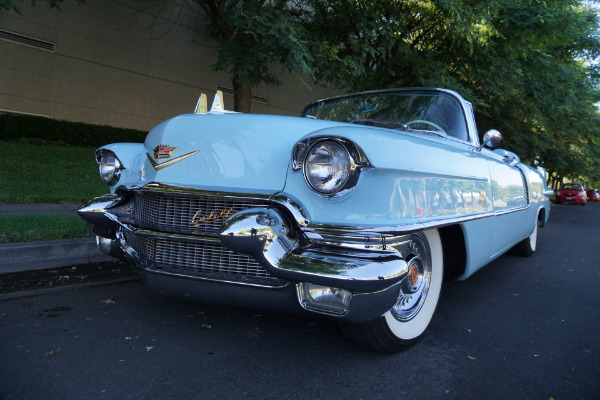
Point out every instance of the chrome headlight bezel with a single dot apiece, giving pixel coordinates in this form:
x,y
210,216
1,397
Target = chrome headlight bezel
x,y
352,153
109,166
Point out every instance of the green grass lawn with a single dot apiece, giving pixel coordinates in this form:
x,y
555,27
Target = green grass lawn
x,y
27,228
46,174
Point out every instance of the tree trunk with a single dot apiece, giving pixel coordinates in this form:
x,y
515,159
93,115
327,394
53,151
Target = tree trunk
x,y
242,97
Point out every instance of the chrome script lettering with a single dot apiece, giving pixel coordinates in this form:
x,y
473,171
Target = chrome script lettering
x,y
214,216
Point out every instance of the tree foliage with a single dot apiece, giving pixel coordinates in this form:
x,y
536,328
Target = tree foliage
x,y
528,66
258,40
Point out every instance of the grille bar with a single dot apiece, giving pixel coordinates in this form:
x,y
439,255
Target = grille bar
x,y
197,215
199,259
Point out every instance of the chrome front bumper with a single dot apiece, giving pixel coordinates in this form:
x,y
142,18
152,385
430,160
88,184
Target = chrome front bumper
x,y
367,270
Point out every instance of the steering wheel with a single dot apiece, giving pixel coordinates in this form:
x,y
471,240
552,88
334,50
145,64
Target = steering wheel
x,y
422,121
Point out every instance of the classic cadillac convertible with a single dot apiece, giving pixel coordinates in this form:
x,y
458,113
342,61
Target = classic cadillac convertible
x,y
355,211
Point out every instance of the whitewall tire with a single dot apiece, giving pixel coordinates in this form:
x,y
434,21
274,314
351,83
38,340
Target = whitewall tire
x,y
527,246
408,320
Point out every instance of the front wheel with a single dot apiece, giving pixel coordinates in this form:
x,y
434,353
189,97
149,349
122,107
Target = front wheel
x,y
407,321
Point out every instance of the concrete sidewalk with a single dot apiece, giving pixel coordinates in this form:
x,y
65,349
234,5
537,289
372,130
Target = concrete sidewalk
x,y
27,256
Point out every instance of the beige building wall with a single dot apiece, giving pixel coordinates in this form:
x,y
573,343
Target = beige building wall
x,y
125,63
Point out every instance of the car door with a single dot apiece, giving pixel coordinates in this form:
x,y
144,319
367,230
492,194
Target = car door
x,y
509,199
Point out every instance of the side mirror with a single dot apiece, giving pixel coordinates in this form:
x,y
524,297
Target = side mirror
x,y
491,138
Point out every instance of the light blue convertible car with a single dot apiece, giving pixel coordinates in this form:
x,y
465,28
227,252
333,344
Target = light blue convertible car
x,y
357,210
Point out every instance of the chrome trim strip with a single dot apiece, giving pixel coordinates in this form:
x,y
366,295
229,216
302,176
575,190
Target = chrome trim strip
x,y
161,188
366,236
511,210
172,161
201,278
173,236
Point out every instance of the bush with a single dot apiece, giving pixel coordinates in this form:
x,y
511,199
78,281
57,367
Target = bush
x,y
40,130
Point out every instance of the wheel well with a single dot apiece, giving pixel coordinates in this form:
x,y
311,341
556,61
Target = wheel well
x,y
455,254
542,217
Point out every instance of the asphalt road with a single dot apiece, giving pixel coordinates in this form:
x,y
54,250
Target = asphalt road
x,y
521,328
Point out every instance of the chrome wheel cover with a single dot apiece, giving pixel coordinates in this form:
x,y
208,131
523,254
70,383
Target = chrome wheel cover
x,y
414,289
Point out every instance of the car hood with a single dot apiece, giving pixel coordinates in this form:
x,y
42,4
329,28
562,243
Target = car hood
x,y
228,151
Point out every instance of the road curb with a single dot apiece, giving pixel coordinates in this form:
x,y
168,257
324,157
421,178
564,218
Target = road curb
x,y
28,256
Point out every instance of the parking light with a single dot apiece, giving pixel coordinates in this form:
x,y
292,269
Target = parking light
x,y
323,299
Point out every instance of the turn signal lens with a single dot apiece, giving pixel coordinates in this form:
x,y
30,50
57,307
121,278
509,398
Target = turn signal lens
x,y
327,167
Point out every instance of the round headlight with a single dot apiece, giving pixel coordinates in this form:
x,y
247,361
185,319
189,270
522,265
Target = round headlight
x,y
109,167
327,167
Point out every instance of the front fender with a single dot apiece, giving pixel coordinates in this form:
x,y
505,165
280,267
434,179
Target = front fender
x,y
415,179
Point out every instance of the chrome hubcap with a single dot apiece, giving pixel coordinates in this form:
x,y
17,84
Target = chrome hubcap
x,y
414,288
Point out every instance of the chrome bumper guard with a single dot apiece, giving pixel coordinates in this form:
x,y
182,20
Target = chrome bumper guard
x,y
371,275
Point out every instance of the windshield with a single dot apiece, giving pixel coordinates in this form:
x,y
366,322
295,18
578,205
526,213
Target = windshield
x,y
571,187
413,110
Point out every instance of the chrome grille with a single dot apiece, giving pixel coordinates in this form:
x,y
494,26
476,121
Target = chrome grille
x,y
199,259
175,214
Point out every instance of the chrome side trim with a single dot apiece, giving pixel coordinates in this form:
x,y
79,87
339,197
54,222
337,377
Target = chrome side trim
x,y
503,212
385,235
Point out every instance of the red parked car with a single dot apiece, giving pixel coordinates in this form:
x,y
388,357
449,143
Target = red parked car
x,y
571,193
593,195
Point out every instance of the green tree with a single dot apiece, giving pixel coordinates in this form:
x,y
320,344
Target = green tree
x,y
258,40
526,65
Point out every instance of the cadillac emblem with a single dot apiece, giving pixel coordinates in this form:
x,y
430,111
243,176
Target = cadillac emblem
x,y
163,151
